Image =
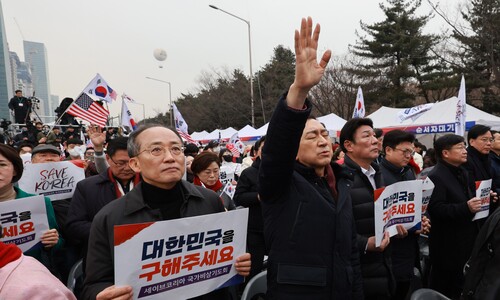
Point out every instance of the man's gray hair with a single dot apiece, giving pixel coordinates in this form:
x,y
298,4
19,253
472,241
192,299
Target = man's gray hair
x,y
133,146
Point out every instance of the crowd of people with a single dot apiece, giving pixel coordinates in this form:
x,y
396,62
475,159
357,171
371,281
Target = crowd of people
x,y
310,201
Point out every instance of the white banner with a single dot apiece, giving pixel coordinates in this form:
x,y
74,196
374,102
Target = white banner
x,y
183,258
483,189
413,112
397,204
24,221
56,180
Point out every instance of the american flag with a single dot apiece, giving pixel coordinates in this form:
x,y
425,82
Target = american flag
x,y
185,136
87,109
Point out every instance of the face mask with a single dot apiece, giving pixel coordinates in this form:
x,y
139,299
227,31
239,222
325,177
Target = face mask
x,y
227,158
216,149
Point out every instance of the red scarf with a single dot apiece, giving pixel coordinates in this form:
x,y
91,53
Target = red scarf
x,y
330,178
8,253
136,179
215,187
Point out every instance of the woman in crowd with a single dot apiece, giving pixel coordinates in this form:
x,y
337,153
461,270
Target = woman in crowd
x,y
229,170
11,170
206,169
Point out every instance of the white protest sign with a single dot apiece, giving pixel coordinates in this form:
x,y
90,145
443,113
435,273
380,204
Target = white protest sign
x,y
483,189
26,157
183,258
227,172
56,180
24,221
427,189
397,204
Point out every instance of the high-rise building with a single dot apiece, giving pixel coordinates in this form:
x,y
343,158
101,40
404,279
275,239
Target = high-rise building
x,y
35,54
5,71
54,102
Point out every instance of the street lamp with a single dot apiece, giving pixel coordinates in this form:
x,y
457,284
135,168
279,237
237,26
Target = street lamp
x,y
169,95
249,55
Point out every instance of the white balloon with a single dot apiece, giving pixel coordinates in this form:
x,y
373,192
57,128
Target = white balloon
x,y
160,54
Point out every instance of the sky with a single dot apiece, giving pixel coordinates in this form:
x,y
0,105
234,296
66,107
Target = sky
x,y
116,38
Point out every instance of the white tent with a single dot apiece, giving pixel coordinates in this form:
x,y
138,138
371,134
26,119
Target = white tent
x,y
222,134
332,122
247,131
262,130
441,114
199,135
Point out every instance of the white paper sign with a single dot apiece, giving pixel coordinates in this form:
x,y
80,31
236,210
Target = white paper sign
x,y
483,189
183,258
56,180
427,189
397,204
24,221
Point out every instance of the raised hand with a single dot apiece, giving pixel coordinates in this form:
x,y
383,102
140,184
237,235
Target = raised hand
x,y
308,71
97,137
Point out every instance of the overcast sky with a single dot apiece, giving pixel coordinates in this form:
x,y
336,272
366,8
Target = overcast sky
x,y
116,38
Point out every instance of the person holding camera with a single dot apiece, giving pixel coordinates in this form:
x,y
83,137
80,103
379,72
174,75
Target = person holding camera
x,y
21,107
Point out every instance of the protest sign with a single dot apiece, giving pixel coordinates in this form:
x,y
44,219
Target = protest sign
x,y
427,189
227,172
397,204
56,180
483,189
182,258
24,221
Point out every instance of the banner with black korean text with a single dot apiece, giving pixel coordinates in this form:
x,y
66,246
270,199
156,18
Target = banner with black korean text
x,y
182,258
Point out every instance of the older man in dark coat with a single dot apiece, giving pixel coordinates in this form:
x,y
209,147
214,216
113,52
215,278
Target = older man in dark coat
x,y
451,208
308,223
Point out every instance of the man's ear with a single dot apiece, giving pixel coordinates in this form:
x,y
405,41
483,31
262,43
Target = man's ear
x,y
348,145
134,164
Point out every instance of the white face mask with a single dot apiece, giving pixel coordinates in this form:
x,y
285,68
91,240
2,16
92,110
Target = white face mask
x,y
216,149
78,151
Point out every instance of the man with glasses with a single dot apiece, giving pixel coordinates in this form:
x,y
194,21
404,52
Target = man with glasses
x,y
478,164
398,149
93,193
157,154
451,208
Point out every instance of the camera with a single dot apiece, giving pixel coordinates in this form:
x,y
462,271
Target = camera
x,y
4,124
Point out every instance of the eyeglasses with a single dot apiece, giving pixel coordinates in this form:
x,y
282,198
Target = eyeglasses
x,y
461,148
406,152
485,140
159,150
120,164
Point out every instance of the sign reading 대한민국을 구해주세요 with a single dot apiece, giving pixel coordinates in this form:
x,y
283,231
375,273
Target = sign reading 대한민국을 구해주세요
x,y
23,221
397,204
182,258
483,189
56,180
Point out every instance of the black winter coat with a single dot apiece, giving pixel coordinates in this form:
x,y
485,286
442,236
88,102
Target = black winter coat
x,y
376,267
246,196
131,209
453,231
310,235
405,251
